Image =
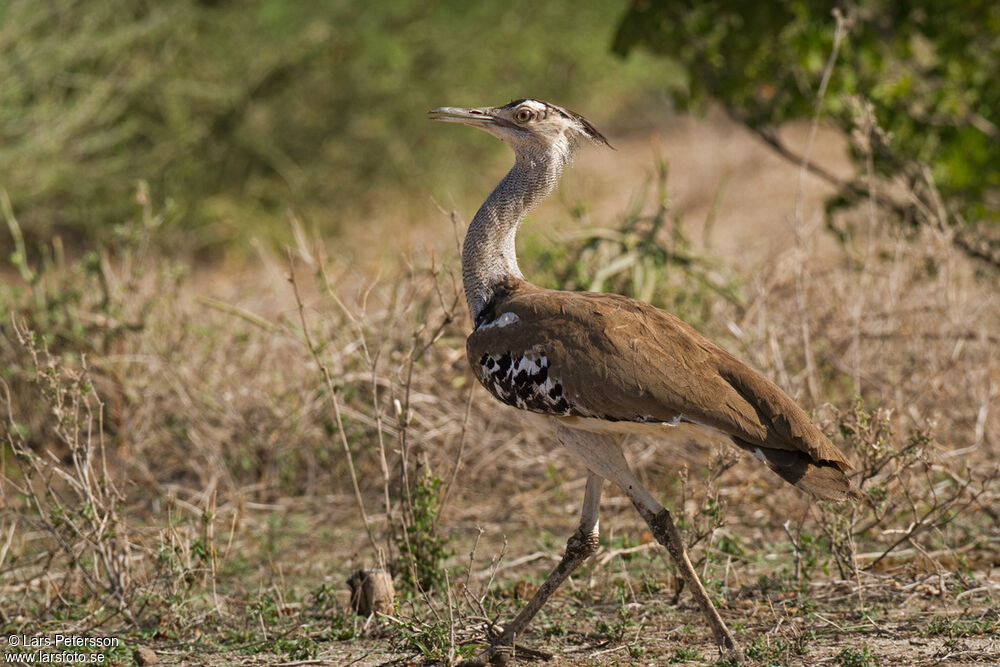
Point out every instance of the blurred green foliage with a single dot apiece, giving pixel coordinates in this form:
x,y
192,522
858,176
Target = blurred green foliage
x,y
930,71
234,111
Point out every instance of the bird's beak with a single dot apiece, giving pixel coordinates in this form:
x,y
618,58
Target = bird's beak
x,y
475,116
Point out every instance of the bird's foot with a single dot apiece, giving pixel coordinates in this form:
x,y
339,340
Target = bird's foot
x,y
731,655
501,651
494,655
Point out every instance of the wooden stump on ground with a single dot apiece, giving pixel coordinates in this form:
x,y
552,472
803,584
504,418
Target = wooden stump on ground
x,y
371,591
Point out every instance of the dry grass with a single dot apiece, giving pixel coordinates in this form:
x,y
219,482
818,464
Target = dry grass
x,y
175,449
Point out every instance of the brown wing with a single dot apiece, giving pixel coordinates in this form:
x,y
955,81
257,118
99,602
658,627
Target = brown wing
x,y
618,359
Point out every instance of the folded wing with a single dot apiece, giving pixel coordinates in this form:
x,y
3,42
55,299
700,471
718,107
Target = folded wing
x,y
608,357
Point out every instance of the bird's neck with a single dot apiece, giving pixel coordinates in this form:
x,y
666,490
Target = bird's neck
x,y
488,255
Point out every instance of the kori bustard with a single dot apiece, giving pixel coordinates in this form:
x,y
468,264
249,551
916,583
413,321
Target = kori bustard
x,y
602,366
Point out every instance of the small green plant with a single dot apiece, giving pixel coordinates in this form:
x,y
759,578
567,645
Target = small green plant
x,y
342,622
618,629
432,640
554,629
776,582
266,609
684,654
858,657
323,597
963,627
811,549
649,584
926,83
635,651
343,626
422,547
623,542
298,647
769,650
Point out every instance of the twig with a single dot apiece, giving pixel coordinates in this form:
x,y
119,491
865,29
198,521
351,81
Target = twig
x,y
451,618
829,622
798,550
971,244
334,401
372,361
10,532
812,375
241,313
458,457
20,256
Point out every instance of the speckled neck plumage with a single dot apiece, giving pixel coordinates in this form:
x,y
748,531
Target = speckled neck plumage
x,y
488,254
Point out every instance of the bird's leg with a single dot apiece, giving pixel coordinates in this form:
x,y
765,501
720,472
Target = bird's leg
x,y
665,531
581,545
603,455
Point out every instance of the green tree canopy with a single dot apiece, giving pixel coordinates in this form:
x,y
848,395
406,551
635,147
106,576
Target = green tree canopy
x,y
929,71
234,111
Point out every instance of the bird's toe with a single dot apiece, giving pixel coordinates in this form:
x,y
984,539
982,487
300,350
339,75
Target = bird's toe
x,y
731,656
494,655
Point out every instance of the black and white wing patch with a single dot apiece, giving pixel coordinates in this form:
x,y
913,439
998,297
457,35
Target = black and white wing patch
x,y
515,371
523,379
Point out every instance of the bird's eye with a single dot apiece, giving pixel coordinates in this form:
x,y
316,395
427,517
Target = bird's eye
x,y
523,115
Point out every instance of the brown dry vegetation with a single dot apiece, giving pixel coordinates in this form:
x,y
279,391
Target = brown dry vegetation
x,y
174,469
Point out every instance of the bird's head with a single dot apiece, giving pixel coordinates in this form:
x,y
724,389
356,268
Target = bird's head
x,y
530,127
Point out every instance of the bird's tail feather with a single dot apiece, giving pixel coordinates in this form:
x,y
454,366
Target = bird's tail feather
x,y
823,480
